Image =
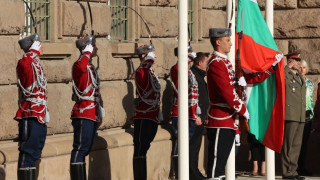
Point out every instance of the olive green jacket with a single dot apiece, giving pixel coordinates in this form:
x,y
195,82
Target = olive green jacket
x,y
295,96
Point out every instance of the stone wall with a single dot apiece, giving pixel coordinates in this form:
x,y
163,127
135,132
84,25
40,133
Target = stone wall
x,y
69,20
296,26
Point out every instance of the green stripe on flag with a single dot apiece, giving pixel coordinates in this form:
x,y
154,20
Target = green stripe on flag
x,y
260,106
253,25
266,99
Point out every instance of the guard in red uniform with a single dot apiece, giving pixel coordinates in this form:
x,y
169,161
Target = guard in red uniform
x,y
194,109
147,112
87,111
224,103
33,111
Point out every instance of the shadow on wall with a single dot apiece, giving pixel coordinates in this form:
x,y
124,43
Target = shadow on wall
x,y
128,100
2,174
38,168
99,160
166,100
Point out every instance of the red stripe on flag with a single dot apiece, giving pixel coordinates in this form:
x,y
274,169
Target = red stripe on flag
x,y
255,57
275,132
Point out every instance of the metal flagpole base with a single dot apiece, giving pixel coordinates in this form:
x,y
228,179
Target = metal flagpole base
x,y
270,164
231,164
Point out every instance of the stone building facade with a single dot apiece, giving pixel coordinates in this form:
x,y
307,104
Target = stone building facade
x,y
296,26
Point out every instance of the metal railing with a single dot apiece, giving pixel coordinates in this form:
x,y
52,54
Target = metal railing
x,y
119,15
41,13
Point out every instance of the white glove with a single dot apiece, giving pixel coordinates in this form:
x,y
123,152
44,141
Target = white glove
x,y
150,55
246,115
242,82
237,140
192,55
278,59
88,48
36,45
102,112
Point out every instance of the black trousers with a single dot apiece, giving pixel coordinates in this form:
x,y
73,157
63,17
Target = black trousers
x,y
194,148
144,132
219,148
304,145
257,149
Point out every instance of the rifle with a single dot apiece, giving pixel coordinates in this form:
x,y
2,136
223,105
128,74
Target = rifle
x,y
243,123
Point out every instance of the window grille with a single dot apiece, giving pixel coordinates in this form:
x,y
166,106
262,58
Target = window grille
x,y
119,25
191,18
41,13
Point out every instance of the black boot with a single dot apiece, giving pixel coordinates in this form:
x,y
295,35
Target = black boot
x,y
140,168
27,173
175,165
78,171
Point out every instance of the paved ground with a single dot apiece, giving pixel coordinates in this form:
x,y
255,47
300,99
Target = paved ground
x,y
247,177
244,177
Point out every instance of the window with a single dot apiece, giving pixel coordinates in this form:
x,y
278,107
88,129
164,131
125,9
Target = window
x,y
41,13
191,19
119,24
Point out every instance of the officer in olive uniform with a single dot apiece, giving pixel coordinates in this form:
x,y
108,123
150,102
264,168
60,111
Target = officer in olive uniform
x,y
294,117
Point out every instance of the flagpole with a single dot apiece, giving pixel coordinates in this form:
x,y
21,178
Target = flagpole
x,y
270,157
183,116
230,167
230,8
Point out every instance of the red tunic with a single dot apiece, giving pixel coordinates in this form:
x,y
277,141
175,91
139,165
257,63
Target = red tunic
x,y
193,96
258,77
224,101
32,85
174,85
86,88
253,78
148,92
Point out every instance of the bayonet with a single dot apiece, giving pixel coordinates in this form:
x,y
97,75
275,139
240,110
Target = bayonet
x,y
91,19
33,21
243,122
230,21
148,29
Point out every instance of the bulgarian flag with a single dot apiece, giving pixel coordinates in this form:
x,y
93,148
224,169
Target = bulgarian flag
x,y
266,100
